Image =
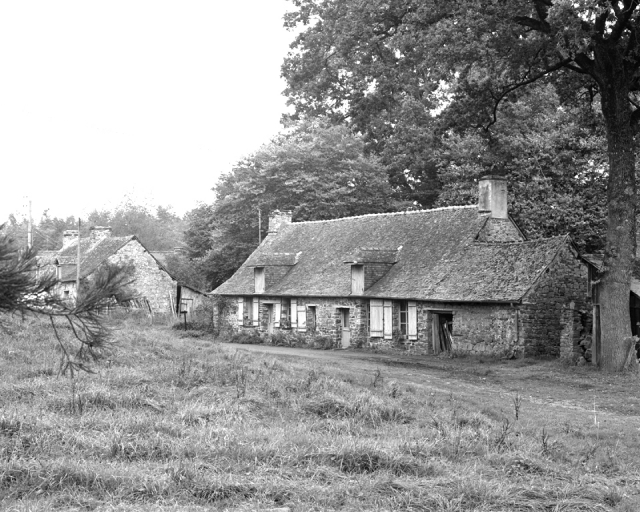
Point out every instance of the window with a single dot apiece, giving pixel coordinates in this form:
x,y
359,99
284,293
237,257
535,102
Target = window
x,y
286,314
404,312
248,311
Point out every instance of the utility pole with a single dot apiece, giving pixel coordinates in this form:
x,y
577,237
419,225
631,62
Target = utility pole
x,y
259,226
30,229
78,266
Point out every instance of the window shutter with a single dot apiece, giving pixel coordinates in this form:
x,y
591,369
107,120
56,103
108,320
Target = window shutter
x,y
294,313
278,314
302,318
258,276
256,309
376,318
240,310
412,320
388,320
357,279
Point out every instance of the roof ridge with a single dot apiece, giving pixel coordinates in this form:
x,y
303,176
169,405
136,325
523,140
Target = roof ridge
x,y
522,242
405,212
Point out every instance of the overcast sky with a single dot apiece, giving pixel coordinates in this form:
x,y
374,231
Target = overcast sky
x,y
151,99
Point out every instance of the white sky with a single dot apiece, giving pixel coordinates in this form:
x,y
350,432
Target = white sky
x,y
151,99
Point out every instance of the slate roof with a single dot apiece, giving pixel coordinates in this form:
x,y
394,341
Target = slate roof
x,y
436,253
92,255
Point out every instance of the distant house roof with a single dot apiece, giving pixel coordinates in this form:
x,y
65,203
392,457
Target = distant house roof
x,y
92,255
436,254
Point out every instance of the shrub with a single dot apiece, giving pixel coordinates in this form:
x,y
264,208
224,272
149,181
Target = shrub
x,y
247,337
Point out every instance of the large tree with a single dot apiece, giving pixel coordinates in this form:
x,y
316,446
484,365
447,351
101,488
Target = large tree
x,y
365,60
316,170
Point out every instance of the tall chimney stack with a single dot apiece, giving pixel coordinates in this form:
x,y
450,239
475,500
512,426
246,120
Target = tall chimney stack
x,y
492,196
278,219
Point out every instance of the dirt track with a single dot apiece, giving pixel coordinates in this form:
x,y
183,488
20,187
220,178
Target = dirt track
x,y
572,392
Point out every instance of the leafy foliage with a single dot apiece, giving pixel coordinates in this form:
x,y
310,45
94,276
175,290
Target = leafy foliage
x,y
316,170
464,61
552,158
158,231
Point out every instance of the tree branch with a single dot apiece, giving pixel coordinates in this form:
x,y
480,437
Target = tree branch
x,y
509,89
623,17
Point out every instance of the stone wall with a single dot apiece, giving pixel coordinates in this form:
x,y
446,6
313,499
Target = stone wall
x,y
328,316
552,312
499,230
150,280
477,329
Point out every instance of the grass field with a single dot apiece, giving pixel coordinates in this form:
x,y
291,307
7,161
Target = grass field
x,y
185,423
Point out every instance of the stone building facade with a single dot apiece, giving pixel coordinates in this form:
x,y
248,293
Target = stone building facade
x,y
459,278
151,281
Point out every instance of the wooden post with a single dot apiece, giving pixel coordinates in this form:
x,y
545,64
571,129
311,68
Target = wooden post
x,y
78,266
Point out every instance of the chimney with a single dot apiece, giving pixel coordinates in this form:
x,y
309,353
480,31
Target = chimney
x,y
278,219
99,233
69,236
492,196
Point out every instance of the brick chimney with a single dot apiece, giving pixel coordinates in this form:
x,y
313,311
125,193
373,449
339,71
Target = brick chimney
x,y
492,196
99,233
278,219
69,236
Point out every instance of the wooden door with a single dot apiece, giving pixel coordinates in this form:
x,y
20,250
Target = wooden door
x,y
271,318
346,329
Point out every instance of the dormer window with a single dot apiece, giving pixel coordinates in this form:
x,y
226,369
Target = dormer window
x,y
258,274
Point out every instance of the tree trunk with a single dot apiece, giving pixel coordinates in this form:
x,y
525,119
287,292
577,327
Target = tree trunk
x,y
621,223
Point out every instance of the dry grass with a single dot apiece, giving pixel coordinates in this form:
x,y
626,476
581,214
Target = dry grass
x,y
173,423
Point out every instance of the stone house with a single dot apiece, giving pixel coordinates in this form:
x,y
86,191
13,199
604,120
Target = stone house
x,y
151,279
462,278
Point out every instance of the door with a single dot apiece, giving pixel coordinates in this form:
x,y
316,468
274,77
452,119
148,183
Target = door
x,y
346,328
271,319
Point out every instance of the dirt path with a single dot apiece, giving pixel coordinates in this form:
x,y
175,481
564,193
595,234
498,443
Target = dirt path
x,y
574,393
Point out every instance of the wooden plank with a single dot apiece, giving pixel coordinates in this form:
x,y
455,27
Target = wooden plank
x,y
376,320
258,274
412,320
293,313
387,319
240,310
435,330
302,318
357,279
255,313
278,314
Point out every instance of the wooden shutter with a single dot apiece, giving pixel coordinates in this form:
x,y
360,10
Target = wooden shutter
x,y
240,310
376,318
293,313
357,279
255,313
302,318
412,320
388,319
258,275
278,312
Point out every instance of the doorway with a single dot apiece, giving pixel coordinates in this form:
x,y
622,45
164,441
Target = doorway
x,y
271,319
345,328
442,328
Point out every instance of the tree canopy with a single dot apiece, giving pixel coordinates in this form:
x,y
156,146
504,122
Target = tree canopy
x,y
316,170
368,62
